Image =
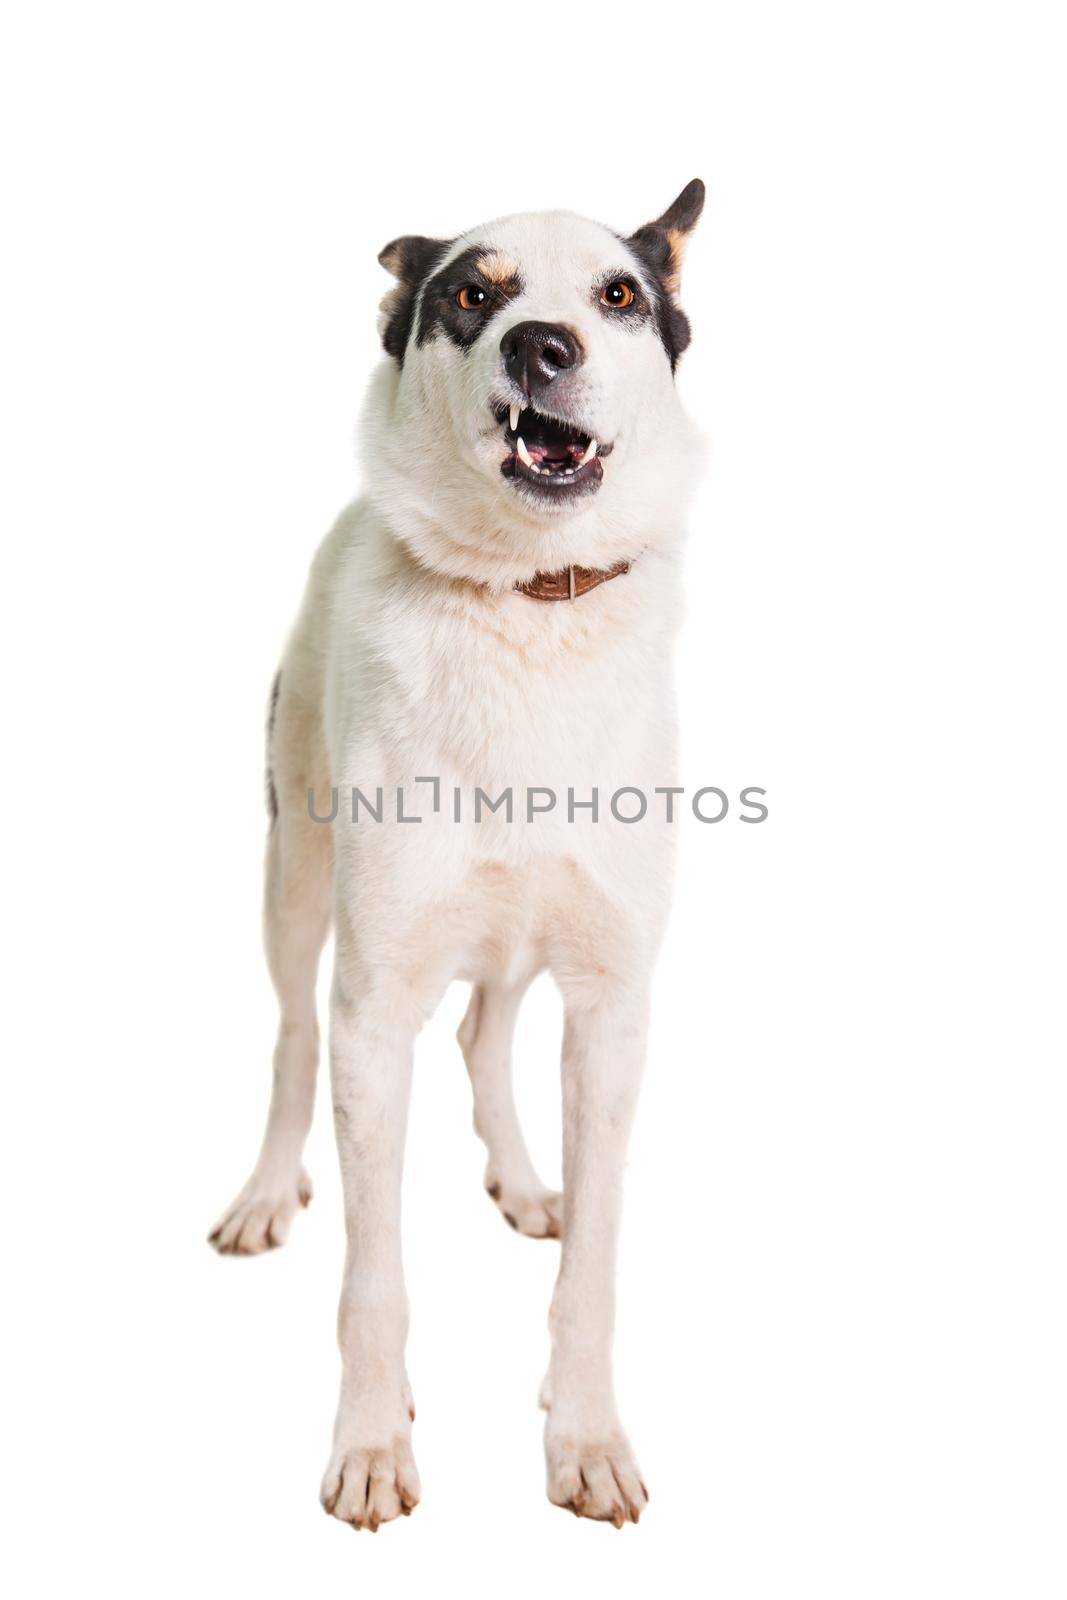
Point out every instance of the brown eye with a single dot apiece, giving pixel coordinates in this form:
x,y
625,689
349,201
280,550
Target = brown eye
x,y
617,295
471,297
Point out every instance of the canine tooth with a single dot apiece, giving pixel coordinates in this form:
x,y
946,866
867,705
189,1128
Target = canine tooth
x,y
589,453
524,455
516,413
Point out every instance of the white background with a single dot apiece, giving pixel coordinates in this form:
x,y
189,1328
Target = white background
x,y
842,1322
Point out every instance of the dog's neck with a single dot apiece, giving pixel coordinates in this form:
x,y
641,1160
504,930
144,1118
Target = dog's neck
x,y
570,582
485,563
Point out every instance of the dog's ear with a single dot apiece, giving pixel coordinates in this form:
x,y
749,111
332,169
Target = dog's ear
x,y
410,260
662,243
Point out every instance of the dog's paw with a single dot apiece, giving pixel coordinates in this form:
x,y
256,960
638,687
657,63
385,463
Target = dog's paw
x,y
367,1484
538,1213
597,1479
261,1216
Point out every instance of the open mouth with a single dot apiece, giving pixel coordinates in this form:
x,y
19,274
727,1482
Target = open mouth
x,y
549,456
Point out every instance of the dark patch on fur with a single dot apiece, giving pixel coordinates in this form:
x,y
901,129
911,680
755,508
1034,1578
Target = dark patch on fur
x,y
439,308
656,247
272,713
410,260
671,322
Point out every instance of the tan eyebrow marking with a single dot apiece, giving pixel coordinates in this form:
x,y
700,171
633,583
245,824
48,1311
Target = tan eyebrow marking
x,y
498,269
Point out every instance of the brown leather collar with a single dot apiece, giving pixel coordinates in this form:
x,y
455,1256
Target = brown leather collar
x,y
571,582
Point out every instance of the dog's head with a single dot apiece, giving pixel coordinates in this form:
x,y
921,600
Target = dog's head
x,y
527,418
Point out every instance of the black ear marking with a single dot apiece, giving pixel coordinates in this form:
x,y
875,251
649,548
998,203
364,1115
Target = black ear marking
x,y
653,246
410,259
411,256
683,214
660,246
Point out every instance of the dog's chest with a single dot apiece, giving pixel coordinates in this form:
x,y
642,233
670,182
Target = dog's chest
x,y
559,703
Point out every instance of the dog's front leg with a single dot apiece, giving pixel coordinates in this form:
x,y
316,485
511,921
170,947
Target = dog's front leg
x,y
591,1467
371,1475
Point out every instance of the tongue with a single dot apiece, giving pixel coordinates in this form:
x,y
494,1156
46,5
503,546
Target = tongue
x,y
554,451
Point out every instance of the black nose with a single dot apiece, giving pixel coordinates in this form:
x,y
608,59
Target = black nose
x,y
536,352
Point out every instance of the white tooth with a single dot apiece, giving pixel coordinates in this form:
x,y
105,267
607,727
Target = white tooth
x,y
516,413
524,455
590,452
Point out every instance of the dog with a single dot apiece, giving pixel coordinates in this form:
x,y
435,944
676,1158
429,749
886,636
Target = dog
x,y
495,617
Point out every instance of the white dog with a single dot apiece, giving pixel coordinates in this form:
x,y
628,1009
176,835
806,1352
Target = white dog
x,y
485,650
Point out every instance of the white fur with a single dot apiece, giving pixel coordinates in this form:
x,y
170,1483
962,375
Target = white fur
x,y
413,656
